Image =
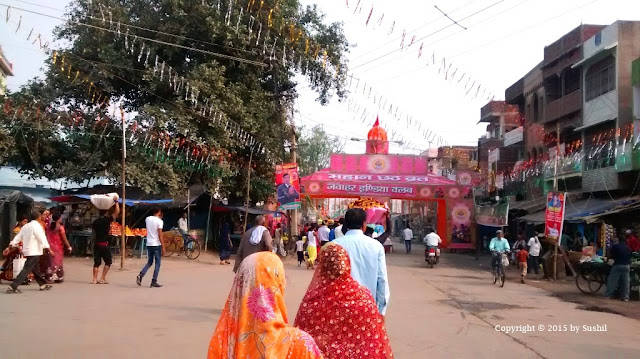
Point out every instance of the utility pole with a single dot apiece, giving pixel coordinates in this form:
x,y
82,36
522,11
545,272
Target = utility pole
x,y
293,226
555,188
246,205
124,195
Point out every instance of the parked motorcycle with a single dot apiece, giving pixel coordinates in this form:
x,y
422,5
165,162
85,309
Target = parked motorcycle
x,y
432,255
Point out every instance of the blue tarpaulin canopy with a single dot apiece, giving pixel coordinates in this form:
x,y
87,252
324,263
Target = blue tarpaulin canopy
x,y
128,202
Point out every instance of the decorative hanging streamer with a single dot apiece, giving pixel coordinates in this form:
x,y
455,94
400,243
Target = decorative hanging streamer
x,y
356,9
404,34
238,23
393,26
369,17
420,51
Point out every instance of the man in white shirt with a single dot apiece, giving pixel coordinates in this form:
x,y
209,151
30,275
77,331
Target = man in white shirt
x,y
534,253
323,234
183,226
155,246
34,241
408,238
338,231
368,265
432,239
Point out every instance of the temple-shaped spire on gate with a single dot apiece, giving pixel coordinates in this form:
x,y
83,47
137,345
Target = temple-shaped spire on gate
x,y
377,141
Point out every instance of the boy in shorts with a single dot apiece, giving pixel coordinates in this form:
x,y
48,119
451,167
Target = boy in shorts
x,y
523,257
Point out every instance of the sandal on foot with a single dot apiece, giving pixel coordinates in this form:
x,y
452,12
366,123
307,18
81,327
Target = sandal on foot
x,y
45,287
13,291
103,281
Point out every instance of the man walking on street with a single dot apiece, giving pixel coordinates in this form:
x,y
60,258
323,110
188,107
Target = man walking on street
x,y
34,241
338,230
534,253
323,234
155,246
101,251
368,265
257,239
620,271
408,238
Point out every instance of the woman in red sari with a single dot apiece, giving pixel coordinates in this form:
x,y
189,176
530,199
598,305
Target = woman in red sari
x,y
57,238
340,314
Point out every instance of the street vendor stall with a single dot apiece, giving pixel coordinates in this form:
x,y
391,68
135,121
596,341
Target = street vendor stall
x,y
385,177
82,214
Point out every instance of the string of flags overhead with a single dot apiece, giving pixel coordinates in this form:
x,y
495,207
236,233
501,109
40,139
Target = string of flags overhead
x,y
183,151
62,62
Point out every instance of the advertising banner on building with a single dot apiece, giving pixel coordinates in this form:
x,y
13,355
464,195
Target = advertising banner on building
x,y
554,215
461,224
493,216
288,186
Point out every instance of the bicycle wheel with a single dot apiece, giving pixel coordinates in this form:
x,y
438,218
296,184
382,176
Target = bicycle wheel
x,y
502,278
170,247
192,250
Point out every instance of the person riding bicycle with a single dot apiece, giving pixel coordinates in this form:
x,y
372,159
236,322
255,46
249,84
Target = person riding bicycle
x,y
498,246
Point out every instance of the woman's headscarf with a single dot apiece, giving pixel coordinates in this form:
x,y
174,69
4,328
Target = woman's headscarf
x,y
340,314
254,321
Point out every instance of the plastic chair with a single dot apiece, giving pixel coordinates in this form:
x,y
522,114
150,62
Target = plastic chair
x,y
142,251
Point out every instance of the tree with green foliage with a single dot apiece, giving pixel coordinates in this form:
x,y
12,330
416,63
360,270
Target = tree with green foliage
x,y
55,128
315,149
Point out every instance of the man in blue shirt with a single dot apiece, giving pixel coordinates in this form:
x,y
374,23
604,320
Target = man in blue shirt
x,y
619,276
498,245
368,265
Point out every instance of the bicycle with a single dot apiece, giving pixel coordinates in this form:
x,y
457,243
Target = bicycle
x,y
498,270
184,243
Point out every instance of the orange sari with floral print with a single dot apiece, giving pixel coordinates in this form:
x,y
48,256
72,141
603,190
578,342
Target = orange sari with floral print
x,y
254,322
340,314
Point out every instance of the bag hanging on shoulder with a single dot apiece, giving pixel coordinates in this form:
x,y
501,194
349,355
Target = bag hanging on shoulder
x,y
18,265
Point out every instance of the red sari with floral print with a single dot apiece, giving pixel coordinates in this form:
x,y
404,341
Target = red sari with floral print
x,y
340,314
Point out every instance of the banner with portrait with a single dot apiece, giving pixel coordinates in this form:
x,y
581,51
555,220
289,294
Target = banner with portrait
x,y
288,186
554,215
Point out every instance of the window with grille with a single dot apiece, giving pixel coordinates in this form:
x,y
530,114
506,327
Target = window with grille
x,y
600,78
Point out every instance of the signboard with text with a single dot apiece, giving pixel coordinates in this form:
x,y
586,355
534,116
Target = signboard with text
x,y
288,186
554,215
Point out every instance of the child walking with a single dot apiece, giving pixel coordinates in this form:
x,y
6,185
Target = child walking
x,y
300,251
523,257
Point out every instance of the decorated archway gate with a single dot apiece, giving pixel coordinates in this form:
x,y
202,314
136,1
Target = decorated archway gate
x,y
399,177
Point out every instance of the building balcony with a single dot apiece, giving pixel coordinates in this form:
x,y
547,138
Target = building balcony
x,y
515,92
563,106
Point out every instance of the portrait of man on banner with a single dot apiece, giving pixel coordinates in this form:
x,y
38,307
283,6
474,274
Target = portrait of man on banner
x,y
288,186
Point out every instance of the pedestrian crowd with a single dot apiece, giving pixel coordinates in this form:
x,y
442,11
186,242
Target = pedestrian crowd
x,y
38,248
342,313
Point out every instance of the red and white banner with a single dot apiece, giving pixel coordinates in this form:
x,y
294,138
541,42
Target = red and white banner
x,y
554,216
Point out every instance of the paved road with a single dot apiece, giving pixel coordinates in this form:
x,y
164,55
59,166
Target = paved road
x,y
445,312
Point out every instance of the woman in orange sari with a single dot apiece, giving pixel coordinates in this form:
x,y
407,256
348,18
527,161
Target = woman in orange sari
x,y
340,314
254,322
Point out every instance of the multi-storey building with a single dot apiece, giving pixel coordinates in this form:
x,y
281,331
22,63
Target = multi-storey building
x,y
494,159
607,124
577,105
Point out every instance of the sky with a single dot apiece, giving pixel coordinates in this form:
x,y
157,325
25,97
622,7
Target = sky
x,y
496,43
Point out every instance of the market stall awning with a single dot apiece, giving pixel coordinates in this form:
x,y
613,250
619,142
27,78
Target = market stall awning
x,y
251,210
128,202
587,210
